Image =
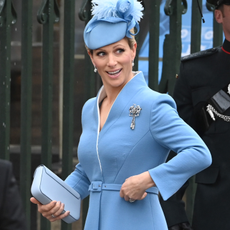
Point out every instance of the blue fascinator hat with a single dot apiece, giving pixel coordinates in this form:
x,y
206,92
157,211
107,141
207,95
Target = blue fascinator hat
x,y
112,21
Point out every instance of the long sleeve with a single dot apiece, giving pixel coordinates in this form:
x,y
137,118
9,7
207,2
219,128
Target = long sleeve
x,y
183,97
173,133
79,181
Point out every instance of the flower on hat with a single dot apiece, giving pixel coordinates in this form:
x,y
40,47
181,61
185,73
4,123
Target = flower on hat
x,y
128,10
116,17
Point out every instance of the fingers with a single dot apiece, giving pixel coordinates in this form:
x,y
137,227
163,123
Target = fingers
x,y
53,208
46,208
122,193
57,210
143,196
133,189
33,200
126,197
129,194
55,217
52,211
125,194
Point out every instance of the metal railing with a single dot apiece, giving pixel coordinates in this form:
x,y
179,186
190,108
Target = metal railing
x,y
47,15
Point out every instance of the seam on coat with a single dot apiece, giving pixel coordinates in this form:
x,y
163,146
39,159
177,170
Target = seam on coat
x,y
127,155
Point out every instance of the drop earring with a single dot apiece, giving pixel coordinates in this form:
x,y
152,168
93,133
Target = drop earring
x,y
95,69
132,63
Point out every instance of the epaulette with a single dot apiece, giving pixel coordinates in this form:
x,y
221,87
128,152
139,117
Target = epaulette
x,y
200,54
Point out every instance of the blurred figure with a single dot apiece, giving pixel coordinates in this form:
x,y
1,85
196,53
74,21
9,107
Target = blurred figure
x,y
11,211
202,94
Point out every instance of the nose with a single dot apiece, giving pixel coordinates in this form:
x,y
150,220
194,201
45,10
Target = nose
x,y
111,61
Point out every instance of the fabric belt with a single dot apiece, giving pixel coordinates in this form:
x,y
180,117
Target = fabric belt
x,y
95,188
98,186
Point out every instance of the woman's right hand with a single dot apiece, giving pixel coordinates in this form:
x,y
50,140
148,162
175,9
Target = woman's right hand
x,y
52,211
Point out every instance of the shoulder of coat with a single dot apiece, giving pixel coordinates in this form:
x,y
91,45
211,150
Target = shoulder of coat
x,y
201,54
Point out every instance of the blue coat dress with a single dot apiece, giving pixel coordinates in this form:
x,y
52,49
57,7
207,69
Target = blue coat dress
x,y
108,157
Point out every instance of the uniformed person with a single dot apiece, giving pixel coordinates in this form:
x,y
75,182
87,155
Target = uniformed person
x,y
202,94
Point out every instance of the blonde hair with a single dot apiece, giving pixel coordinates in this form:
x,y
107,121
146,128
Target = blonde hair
x,y
132,41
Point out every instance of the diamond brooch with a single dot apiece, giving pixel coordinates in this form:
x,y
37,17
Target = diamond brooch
x,y
134,111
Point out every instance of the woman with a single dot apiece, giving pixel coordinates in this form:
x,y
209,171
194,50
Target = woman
x,y
128,130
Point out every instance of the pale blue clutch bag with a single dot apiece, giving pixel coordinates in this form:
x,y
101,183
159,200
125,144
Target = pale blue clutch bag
x,y
47,186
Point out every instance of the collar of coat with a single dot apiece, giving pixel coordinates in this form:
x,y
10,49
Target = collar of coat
x,y
226,46
124,97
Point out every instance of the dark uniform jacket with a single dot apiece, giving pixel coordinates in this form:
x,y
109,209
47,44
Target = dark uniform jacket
x,y
11,211
202,75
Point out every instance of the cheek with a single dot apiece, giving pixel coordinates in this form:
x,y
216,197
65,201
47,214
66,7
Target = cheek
x,y
99,63
127,59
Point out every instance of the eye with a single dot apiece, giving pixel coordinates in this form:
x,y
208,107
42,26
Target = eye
x,y
120,51
100,54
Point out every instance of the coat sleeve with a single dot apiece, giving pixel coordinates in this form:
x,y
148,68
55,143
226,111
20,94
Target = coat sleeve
x,y
79,181
170,131
11,209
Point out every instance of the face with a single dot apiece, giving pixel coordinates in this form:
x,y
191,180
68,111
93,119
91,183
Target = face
x,y
222,16
114,63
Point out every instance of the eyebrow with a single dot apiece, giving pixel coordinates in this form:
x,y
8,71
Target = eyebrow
x,y
102,49
119,44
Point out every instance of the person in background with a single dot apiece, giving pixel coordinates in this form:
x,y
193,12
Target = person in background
x,y
202,95
128,131
12,216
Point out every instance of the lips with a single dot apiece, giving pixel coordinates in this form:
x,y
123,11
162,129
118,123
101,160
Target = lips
x,y
114,72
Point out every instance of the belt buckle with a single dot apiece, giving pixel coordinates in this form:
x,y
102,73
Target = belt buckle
x,y
95,186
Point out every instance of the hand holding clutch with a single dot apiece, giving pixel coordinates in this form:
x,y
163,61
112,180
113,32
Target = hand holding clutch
x,y
47,187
